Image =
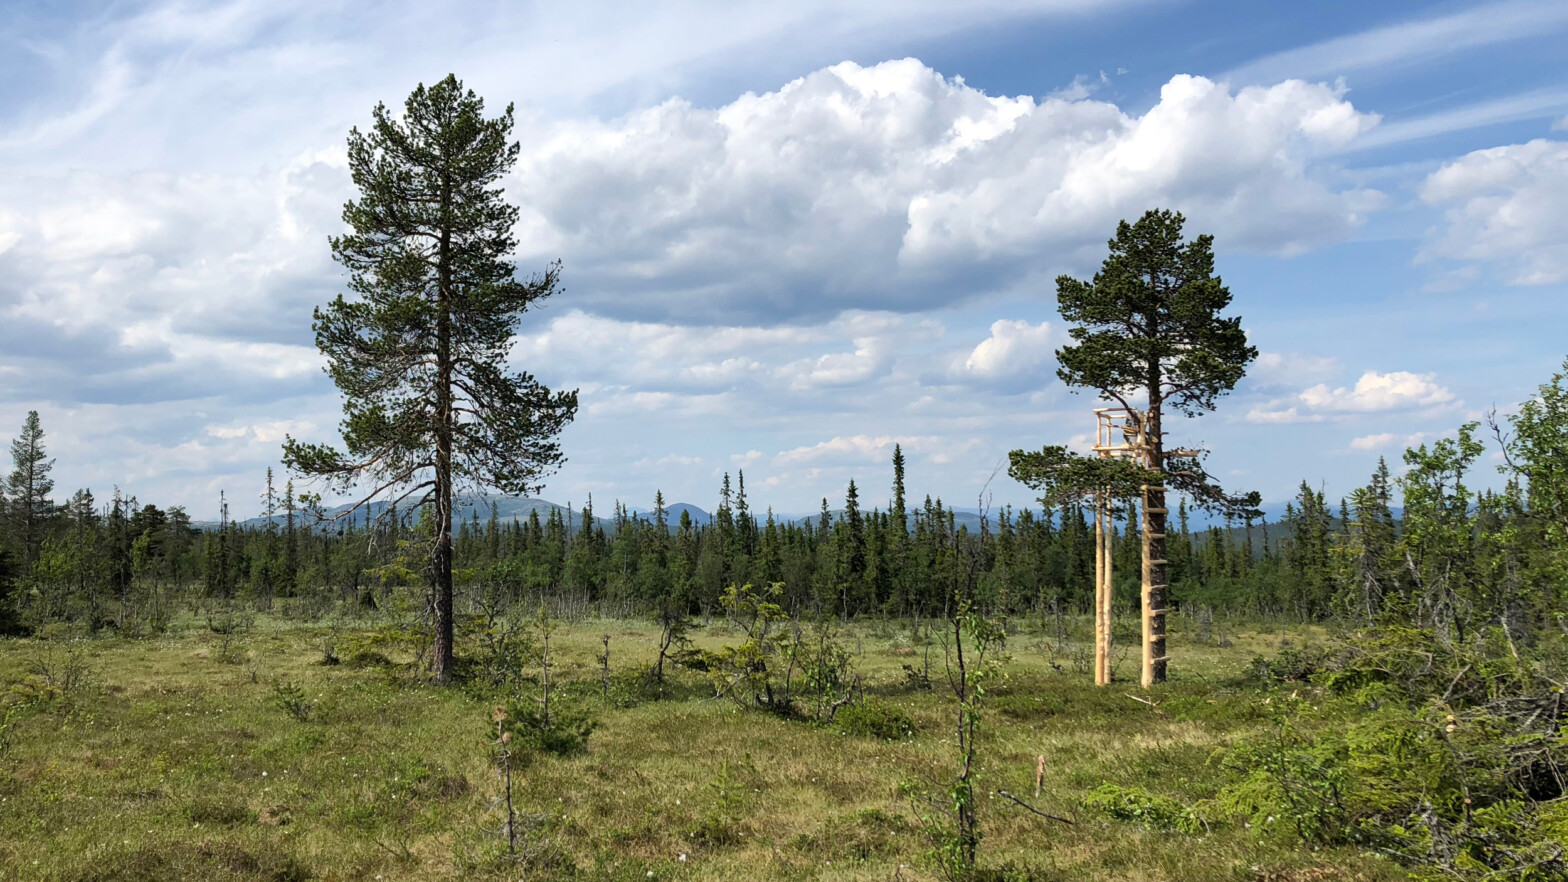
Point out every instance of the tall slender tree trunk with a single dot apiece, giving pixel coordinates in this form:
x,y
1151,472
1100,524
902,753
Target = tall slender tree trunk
x,y
441,560
1155,516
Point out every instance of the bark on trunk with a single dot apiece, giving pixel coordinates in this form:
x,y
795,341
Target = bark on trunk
x,y
1155,590
442,656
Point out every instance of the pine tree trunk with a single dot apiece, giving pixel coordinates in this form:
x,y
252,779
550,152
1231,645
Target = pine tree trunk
x,y
441,566
1155,594
441,561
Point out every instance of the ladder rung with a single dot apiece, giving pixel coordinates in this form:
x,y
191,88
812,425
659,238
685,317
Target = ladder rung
x,y
1158,561
1163,658
1155,535
1158,612
1152,510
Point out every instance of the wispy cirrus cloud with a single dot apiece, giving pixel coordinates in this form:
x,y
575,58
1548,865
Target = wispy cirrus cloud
x,y
1538,104
1415,41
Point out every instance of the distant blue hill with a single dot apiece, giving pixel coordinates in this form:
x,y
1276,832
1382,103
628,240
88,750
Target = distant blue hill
x,y
962,517
672,513
518,508
506,509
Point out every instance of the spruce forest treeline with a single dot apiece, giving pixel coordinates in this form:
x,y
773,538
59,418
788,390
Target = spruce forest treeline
x,y
1449,557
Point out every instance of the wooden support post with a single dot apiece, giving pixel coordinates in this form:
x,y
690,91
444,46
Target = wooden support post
x,y
1108,603
1147,604
1108,597
1102,591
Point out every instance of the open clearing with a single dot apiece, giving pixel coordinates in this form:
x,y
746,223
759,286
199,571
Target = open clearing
x,y
176,760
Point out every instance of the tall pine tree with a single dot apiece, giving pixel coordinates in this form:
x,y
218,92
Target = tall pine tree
x,y
1147,334
420,352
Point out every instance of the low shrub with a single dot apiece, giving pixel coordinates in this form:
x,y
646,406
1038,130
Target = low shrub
x,y
874,719
1444,755
1138,806
860,836
209,810
1294,665
563,733
365,658
291,699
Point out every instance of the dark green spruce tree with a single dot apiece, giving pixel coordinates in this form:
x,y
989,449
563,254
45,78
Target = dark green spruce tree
x,y
30,508
1147,332
420,351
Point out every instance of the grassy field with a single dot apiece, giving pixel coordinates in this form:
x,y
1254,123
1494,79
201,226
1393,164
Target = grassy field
x,y
175,759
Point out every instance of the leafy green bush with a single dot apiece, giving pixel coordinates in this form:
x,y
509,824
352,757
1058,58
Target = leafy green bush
x,y
58,676
1293,665
1442,754
501,646
564,732
874,719
780,666
1138,806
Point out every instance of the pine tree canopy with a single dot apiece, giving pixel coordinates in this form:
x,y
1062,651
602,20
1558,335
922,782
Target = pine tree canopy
x,y
422,350
1149,321
1147,331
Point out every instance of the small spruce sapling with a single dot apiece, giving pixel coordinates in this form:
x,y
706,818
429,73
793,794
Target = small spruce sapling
x,y
674,646
543,727
503,742
291,699
604,667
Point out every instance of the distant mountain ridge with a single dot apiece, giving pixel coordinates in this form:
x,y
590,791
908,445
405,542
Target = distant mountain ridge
x,y
672,513
518,509
465,507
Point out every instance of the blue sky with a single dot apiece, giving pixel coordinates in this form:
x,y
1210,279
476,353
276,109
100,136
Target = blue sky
x,y
793,234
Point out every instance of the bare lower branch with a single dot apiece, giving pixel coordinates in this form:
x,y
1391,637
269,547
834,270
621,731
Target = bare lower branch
x,y
1047,815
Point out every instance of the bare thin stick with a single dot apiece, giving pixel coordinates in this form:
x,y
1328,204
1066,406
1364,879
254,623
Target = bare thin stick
x,y
1153,704
1046,815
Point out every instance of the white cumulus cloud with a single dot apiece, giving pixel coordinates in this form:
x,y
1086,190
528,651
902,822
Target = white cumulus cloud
x,y
1397,390
1374,392
1507,205
893,187
1386,440
1281,366
866,448
1275,413
1015,347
